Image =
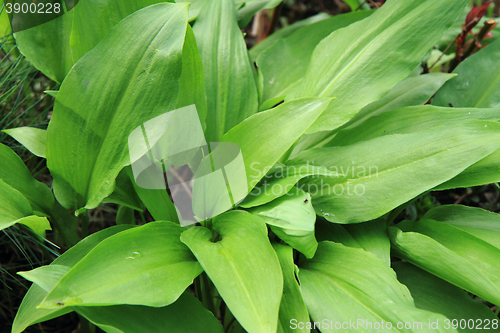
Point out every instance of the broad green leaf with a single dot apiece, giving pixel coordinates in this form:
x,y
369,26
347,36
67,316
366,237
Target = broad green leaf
x,y
31,138
186,314
243,266
373,55
478,81
371,236
280,181
353,289
292,219
251,7
292,305
409,92
142,53
229,82
46,46
14,205
125,194
93,19
484,172
256,50
194,8
158,202
46,277
377,175
412,91
408,120
265,137
37,224
284,64
14,173
475,221
450,253
433,294
16,208
28,313
126,268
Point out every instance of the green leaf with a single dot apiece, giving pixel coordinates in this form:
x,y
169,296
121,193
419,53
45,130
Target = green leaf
x,y
31,138
46,277
477,84
125,268
450,253
243,266
408,120
125,194
373,56
257,49
284,64
46,46
229,83
28,313
281,181
409,92
292,305
292,219
14,173
265,137
354,288
475,221
186,314
16,208
371,236
375,176
435,295
85,159
93,19
484,172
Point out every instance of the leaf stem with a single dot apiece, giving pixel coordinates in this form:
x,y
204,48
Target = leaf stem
x,y
84,218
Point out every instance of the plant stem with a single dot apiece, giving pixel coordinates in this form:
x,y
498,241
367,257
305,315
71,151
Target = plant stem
x,y
85,223
208,300
488,26
86,326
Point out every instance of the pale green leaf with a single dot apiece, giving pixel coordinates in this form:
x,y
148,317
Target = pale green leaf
x,y
450,253
243,266
266,136
28,313
284,32
409,92
284,64
229,82
292,305
141,53
46,46
364,61
353,289
186,314
377,175
371,236
46,277
14,173
126,268
31,138
433,294
292,219
475,221
93,19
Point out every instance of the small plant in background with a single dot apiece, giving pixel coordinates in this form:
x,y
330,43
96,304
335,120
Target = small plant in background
x,y
328,219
